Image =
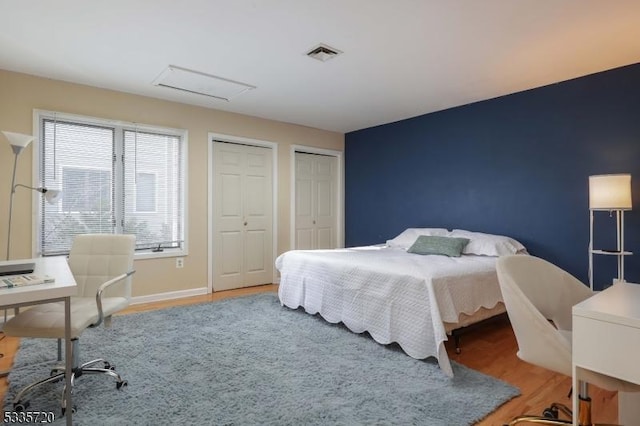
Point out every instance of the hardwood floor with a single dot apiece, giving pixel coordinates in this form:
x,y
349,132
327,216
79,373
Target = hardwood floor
x,y
490,348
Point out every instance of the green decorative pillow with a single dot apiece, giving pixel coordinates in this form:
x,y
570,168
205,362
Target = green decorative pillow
x,y
431,244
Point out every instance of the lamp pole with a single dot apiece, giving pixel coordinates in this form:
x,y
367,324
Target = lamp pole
x,y
13,191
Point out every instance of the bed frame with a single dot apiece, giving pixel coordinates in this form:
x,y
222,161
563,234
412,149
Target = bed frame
x,y
480,316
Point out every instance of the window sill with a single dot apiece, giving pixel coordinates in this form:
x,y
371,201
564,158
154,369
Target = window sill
x,y
162,254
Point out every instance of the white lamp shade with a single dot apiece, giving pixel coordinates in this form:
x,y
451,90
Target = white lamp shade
x,y
610,192
18,141
52,195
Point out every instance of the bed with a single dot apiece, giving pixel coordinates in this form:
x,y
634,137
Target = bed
x,y
397,295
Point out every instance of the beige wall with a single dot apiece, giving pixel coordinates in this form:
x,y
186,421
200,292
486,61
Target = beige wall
x,y
20,94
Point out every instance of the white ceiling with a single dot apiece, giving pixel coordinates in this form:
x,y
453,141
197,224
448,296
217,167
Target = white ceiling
x,y
402,58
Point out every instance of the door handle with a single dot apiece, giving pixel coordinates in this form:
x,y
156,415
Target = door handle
x,y
245,224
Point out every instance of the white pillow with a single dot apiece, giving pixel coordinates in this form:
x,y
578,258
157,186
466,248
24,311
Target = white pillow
x,y
410,235
488,244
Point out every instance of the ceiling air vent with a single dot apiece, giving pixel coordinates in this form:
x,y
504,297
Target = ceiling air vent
x,y
200,83
323,53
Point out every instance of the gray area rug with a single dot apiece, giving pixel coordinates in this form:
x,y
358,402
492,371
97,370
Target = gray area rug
x,y
249,361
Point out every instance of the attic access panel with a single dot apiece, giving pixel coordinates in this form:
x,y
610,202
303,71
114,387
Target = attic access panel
x,y
201,83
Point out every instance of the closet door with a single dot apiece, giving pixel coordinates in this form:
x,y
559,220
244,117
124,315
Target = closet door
x,y
316,202
243,221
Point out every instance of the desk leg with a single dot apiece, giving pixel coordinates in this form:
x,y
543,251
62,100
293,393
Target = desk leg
x,y
68,360
628,408
575,394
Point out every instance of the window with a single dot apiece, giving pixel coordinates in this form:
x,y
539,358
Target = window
x,y
115,178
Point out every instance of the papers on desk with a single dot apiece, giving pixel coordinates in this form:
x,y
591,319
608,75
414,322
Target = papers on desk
x,y
24,280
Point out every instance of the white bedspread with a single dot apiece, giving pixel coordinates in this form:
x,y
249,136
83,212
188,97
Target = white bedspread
x,y
394,295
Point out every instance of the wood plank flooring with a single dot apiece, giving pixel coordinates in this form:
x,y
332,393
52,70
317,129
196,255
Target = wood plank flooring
x,y
490,348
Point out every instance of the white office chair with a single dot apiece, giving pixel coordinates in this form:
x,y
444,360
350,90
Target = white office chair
x,y
102,265
539,297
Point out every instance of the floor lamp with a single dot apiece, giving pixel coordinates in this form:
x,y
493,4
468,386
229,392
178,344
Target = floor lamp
x,y
19,142
610,193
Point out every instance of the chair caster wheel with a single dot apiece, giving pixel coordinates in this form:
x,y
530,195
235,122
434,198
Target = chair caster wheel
x,y
108,366
550,413
64,410
122,384
20,406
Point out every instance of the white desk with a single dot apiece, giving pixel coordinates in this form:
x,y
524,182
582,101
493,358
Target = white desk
x,y
61,290
606,339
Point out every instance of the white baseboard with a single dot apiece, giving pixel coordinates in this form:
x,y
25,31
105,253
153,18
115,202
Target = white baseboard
x,y
169,295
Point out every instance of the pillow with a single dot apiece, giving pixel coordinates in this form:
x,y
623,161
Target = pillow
x,y
433,244
409,236
488,244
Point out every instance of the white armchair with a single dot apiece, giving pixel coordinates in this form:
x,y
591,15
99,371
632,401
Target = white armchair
x,y
102,265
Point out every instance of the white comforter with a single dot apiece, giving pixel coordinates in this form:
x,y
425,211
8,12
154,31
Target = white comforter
x,y
394,295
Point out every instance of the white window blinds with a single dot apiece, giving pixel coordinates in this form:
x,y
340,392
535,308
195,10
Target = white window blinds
x,y
114,179
78,159
153,184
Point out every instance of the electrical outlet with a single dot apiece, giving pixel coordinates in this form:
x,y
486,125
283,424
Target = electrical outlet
x,y
179,262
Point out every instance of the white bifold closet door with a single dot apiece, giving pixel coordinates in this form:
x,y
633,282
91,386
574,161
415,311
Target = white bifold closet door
x,y
316,201
243,216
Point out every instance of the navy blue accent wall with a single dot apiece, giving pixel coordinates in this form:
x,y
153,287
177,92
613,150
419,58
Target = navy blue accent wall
x,y
517,165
